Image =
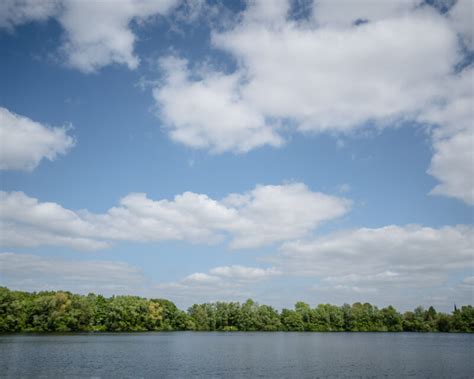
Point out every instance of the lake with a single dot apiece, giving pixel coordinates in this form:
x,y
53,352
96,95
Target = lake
x,y
236,355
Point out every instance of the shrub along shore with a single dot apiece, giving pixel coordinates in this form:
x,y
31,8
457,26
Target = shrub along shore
x,y
66,312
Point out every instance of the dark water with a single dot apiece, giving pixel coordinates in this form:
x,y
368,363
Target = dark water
x,y
273,355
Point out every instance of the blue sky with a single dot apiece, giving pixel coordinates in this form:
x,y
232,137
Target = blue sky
x,y
347,150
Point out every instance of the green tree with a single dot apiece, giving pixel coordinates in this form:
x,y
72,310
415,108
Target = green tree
x,y
391,319
292,321
63,311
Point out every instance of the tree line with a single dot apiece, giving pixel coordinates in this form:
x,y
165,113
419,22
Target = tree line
x,y
63,311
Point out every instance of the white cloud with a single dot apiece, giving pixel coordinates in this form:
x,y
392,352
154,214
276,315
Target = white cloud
x,y
327,74
321,79
400,265
97,33
230,282
269,12
453,165
278,213
344,13
383,258
18,235
263,216
199,279
343,77
30,272
24,142
17,12
35,273
453,141
462,18
442,297
244,273
210,113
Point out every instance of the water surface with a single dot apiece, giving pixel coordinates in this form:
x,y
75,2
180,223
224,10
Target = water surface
x,y
234,355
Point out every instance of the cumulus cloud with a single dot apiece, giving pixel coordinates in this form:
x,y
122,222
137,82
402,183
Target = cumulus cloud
x,y
453,165
382,259
29,272
229,275
343,77
453,141
278,213
24,142
375,63
263,216
97,33
209,113
321,78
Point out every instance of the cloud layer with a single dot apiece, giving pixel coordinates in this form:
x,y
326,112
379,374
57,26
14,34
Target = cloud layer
x,y
35,273
24,142
263,216
234,282
383,259
29,272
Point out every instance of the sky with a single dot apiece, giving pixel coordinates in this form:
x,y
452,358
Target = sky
x,y
211,150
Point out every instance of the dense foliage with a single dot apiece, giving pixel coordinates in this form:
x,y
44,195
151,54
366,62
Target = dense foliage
x,y
67,312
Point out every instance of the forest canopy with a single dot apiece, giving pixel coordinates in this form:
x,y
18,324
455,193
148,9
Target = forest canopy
x,y
63,311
